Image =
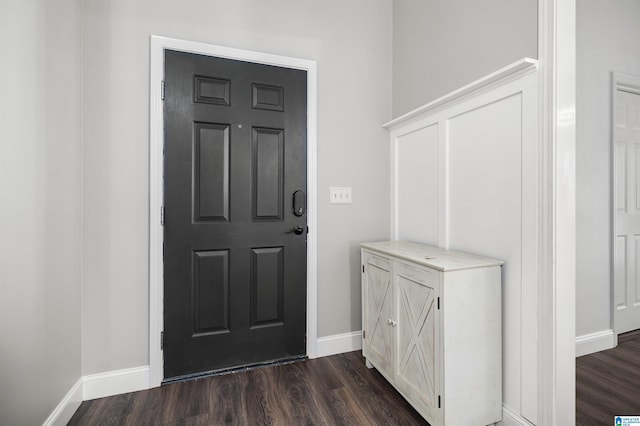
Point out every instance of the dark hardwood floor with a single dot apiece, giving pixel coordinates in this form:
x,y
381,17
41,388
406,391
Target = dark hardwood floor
x,y
608,383
340,390
335,390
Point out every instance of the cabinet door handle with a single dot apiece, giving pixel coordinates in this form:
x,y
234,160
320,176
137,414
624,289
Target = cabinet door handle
x,y
391,322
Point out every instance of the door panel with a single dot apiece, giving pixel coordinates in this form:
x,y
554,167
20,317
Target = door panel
x,y
266,286
210,291
267,153
627,210
235,152
211,180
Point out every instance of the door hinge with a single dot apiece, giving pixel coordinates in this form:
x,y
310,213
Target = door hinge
x,y
162,340
363,269
438,401
438,303
364,334
162,90
162,215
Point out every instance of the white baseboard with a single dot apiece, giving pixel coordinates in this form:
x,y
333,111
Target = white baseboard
x,y
134,379
115,382
339,343
595,342
510,418
65,409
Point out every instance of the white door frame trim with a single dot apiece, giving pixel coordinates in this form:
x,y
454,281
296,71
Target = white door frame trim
x,y
625,83
156,171
556,290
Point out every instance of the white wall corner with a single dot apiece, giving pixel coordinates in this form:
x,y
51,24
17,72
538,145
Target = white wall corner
x,y
67,407
510,418
339,343
115,382
595,342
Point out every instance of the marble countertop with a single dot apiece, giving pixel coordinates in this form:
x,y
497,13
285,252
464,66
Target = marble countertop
x,y
432,257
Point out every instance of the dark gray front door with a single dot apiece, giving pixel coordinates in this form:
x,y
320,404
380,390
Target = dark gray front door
x,y
235,249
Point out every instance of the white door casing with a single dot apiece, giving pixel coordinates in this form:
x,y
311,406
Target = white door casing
x,y
626,203
556,293
156,173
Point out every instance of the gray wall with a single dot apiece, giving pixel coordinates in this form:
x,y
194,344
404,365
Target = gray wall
x,y
40,208
351,42
607,40
441,45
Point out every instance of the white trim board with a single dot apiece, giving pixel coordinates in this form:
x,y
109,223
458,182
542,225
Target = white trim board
x,y
138,378
158,45
115,382
556,287
339,343
510,418
98,386
499,77
626,82
595,342
61,415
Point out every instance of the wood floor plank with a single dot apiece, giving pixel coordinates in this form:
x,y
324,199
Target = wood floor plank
x,y
336,390
300,395
316,371
225,394
608,384
377,396
340,390
610,371
631,335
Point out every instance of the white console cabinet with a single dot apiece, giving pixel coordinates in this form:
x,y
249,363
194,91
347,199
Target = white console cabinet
x,y
432,328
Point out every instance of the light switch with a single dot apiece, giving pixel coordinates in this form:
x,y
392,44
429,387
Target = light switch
x,y
340,195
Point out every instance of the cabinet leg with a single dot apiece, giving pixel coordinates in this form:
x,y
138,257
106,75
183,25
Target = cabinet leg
x,y
368,364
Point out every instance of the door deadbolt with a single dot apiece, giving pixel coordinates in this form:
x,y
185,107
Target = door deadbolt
x,y
299,203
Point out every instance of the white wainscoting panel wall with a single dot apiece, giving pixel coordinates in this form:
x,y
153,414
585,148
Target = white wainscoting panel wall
x,y
417,214
464,172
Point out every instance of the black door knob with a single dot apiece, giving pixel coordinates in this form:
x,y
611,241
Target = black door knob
x,y
298,230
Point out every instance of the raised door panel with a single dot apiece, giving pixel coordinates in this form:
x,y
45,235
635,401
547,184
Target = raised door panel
x,y
417,360
211,172
378,313
268,161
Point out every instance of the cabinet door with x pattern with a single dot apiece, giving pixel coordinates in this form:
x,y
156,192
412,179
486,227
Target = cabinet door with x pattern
x,y
378,299
417,357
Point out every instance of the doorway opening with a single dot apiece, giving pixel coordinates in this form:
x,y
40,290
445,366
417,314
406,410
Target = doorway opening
x,y
156,174
626,204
